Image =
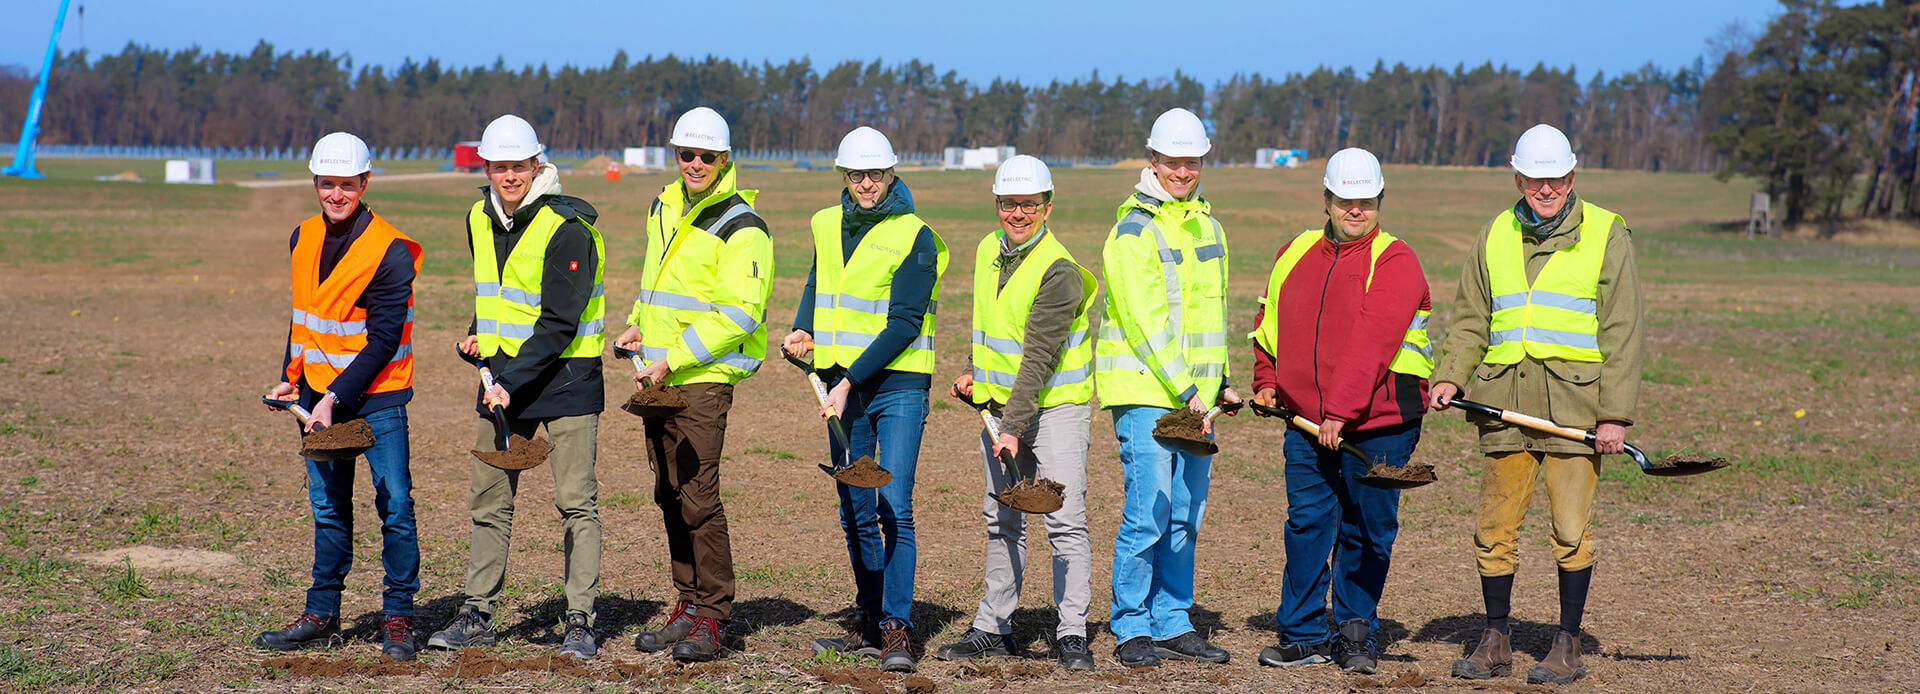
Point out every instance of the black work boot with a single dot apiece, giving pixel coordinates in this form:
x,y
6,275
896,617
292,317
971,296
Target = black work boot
x,y
1288,654
1074,653
1137,652
1562,664
1353,647
896,648
397,638
678,625
1492,658
305,631
976,644
579,640
470,628
706,640
863,639
1190,646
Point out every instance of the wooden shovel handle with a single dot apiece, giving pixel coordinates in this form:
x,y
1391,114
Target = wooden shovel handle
x,y
1528,421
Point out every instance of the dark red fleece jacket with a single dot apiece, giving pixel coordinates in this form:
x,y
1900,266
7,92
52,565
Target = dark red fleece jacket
x,y
1336,337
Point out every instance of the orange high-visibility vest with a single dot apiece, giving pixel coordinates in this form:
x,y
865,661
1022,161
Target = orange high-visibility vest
x,y
328,329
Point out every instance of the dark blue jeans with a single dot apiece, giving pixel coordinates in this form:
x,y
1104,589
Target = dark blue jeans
x,y
1339,531
879,522
330,488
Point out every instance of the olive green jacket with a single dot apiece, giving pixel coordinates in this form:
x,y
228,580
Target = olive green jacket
x,y
1576,394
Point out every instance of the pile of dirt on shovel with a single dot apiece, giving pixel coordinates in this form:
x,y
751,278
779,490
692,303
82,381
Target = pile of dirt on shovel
x,y
521,453
655,400
1414,472
1676,465
350,434
1035,496
865,472
1182,424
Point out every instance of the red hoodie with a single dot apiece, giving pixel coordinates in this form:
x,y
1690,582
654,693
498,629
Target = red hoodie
x,y
1336,337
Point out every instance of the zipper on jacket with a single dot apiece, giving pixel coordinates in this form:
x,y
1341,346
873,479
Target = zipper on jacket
x,y
1320,316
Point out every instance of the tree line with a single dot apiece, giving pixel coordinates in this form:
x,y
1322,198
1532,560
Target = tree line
x,y
1819,106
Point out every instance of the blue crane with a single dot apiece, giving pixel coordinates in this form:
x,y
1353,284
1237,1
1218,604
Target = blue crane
x,y
30,128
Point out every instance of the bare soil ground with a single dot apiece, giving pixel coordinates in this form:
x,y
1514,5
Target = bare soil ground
x,y
143,322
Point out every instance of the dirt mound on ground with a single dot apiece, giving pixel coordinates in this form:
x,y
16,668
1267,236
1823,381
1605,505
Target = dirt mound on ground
x,y
1405,678
305,666
162,559
475,662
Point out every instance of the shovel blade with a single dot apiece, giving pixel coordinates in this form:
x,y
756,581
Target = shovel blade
x,y
1201,447
521,454
1680,466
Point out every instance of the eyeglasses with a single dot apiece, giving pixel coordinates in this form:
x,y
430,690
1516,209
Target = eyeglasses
x,y
687,155
1026,207
870,175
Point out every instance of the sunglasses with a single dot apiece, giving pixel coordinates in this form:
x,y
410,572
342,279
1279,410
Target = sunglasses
x,y
687,155
870,175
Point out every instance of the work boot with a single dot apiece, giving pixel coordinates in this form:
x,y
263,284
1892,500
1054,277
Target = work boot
x,y
470,628
896,649
1190,646
705,641
304,631
976,644
1295,654
1492,658
1353,647
397,635
678,625
579,640
862,640
1074,654
1562,664
1136,652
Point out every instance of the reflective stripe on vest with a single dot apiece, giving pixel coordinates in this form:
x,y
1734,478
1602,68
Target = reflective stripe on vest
x,y
851,294
1557,315
327,331
1000,325
506,307
1415,356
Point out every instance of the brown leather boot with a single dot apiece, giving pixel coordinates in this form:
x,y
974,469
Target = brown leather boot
x,y
1562,664
1492,658
679,622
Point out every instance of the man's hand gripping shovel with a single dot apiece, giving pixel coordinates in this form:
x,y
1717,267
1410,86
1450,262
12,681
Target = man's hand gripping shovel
x,y
864,472
517,453
1029,494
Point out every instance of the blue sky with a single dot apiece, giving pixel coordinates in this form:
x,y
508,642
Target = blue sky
x,y
1031,41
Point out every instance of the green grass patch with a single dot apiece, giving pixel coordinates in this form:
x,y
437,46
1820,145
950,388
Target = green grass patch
x,y
125,585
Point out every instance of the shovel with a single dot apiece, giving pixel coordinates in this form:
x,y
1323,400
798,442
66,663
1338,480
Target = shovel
x,y
341,441
1378,475
517,453
1177,430
1670,466
865,472
665,401
1023,493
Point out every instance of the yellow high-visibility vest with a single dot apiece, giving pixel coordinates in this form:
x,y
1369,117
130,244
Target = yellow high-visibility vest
x,y
507,304
1415,356
681,305
1557,315
1191,349
851,293
1000,325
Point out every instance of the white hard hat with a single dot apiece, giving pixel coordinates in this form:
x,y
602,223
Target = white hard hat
x,y
509,138
865,149
1543,152
702,128
340,154
1354,174
1022,175
1179,133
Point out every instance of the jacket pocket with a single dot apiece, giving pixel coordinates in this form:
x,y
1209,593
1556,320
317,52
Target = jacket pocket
x,y
1573,392
1493,385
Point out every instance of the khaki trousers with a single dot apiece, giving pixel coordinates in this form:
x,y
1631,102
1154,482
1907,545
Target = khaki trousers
x,y
575,493
1506,487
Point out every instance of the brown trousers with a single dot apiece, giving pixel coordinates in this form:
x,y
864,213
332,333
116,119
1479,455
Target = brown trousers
x,y
684,450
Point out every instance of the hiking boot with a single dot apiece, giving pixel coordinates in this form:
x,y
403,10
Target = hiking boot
x,y
579,639
1074,654
862,640
1562,664
470,628
678,625
976,644
705,641
896,650
1295,654
304,631
1136,652
1492,658
397,635
1190,646
1353,647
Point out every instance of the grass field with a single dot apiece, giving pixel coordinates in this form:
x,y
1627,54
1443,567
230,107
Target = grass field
x,y
143,321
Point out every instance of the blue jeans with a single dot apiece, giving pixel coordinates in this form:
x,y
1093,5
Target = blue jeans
x,y
1339,531
879,522
330,488
1159,523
